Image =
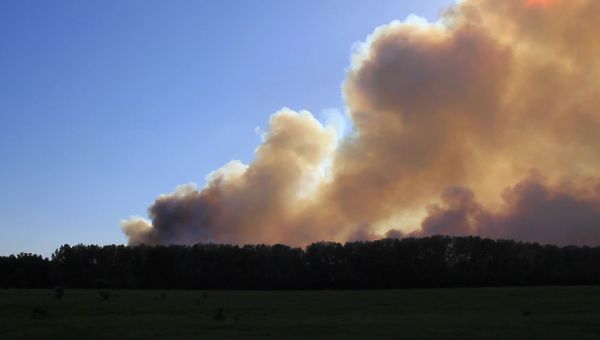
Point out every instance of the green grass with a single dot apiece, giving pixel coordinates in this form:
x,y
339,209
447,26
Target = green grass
x,y
480,313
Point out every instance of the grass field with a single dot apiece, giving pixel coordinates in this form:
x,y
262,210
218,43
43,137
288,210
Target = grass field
x,y
481,313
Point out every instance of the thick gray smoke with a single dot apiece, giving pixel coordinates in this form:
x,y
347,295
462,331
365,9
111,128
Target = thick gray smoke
x,y
484,123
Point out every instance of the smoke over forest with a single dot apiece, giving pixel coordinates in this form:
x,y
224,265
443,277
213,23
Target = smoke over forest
x,y
485,122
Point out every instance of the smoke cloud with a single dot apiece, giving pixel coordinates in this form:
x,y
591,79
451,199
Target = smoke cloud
x,y
534,212
483,123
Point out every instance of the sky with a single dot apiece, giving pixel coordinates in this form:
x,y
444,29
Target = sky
x,y
105,105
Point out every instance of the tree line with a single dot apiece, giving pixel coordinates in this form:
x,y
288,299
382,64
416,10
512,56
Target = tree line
x,y
437,261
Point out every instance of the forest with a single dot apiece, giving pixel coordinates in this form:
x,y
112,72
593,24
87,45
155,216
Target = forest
x,y
437,261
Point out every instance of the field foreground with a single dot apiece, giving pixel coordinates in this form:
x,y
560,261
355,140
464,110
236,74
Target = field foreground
x,y
482,313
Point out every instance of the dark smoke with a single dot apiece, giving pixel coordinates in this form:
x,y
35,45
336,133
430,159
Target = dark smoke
x,y
465,107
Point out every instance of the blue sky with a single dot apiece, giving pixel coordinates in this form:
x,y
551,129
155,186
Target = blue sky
x,y
106,104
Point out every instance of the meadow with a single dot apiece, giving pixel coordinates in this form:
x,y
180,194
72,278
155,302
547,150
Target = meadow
x,y
459,313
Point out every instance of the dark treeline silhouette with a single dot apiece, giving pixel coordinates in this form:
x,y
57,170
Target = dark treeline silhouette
x,y
438,261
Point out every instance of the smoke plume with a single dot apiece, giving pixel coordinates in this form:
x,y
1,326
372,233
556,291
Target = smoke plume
x,y
483,123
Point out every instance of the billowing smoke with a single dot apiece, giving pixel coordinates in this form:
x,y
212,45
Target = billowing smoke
x,y
533,212
486,122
